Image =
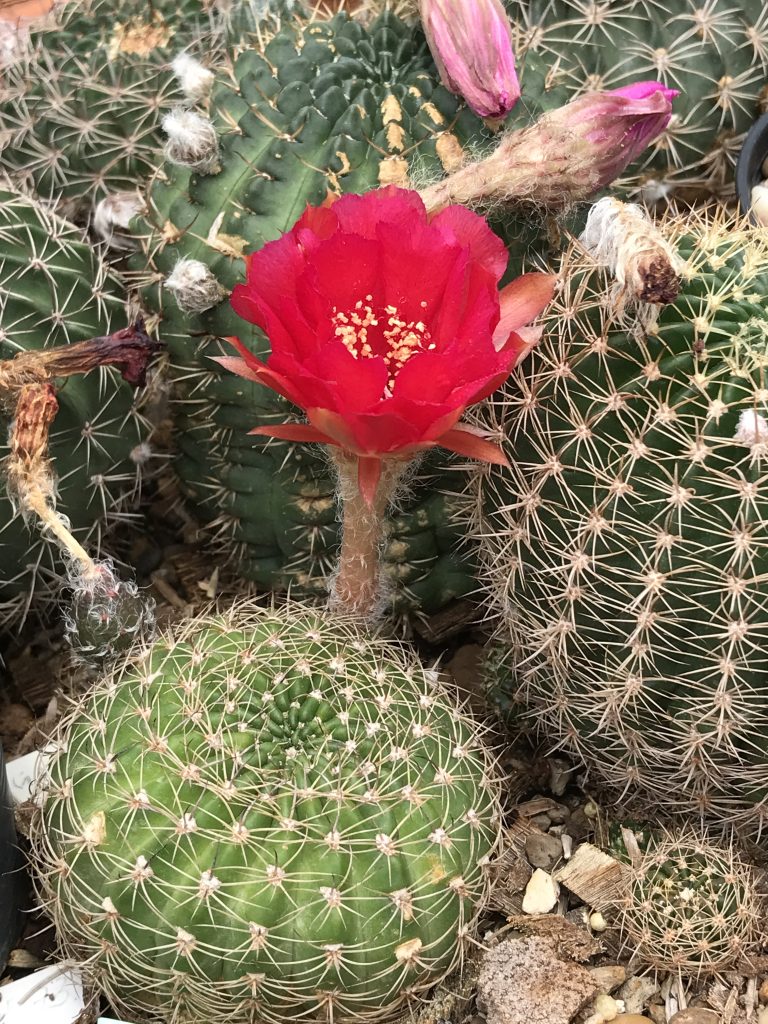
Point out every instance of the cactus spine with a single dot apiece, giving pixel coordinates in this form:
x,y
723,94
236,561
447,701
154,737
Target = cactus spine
x,y
626,550
268,815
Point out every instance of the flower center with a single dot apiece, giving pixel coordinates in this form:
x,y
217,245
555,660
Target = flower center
x,y
369,332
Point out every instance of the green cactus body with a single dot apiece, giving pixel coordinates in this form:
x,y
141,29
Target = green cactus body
x,y
626,549
328,106
715,53
80,107
691,904
55,290
269,816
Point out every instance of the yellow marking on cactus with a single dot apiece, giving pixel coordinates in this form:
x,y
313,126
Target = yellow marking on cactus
x,y
139,37
391,109
407,952
393,170
449,151
434,114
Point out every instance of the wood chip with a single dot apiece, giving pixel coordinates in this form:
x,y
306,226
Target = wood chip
x,y
593,876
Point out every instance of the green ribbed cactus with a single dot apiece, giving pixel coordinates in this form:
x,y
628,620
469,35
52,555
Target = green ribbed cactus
x,y
269,815
714,52
328,106
691,904
80,106
626,549
54,289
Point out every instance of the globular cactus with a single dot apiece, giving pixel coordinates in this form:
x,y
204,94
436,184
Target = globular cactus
x,y
715,53
691,905
82,101
626,550
326,106
54,289
267,815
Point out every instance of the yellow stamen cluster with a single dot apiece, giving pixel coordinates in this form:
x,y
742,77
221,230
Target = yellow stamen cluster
x,y
402,338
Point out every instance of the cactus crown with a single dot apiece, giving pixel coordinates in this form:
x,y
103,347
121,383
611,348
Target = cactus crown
x,y
624,549
268,813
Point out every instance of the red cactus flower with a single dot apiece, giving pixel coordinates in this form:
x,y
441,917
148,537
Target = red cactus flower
x,y
385,324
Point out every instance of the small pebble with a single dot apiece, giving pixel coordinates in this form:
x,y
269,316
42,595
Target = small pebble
x,y
542,821
609,977
636,992
762,992
541,893
696,1015
597,922
543,851
632,1018
606,1007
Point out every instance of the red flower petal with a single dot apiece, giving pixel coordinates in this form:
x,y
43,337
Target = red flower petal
x,y
357,383
463,442
293,432
363,215
521,302
461,226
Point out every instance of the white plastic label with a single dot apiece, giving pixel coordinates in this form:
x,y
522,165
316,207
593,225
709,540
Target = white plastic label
x,y
51,996
24,772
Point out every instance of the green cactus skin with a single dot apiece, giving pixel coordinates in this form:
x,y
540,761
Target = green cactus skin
x,y
714,52
626,549
692,904
328,105
54,290
268,816
80,107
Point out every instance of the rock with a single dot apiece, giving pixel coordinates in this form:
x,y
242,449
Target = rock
x,y
762,992
609,977
523,981
696,1015
597,922
541,893
542,821
543,851
762,1015
604,1009
636,992
632,1018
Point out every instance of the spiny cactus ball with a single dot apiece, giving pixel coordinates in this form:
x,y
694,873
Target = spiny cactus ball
x,y
267,816
692,905
626,549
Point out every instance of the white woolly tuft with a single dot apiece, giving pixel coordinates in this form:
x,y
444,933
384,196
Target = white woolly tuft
x,y
116,212
192,141
623,238
752,428
195,80
194,286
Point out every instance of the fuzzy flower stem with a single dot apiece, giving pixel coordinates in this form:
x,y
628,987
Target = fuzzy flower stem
x,y
358,587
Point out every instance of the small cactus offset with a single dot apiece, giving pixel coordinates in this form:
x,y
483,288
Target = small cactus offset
x,y
268,815
692,905
626,548
715,53
324,107
55,291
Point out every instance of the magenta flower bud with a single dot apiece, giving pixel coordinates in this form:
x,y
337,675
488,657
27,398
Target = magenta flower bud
x,y
471,42
617,125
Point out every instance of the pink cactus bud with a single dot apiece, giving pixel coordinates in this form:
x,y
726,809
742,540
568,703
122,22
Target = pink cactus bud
x,y
471,42
617,125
